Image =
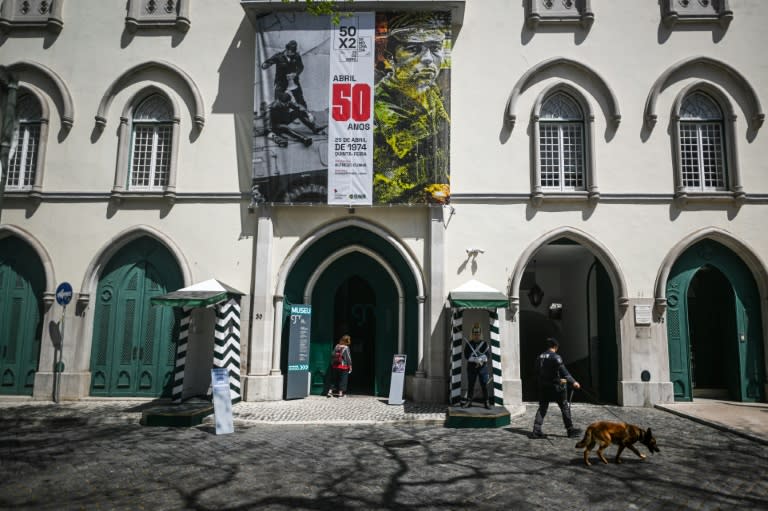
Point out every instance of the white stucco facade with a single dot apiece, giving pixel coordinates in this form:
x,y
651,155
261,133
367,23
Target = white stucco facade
x,y
627,65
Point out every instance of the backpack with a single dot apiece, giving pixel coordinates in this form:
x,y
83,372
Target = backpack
x,y
337,357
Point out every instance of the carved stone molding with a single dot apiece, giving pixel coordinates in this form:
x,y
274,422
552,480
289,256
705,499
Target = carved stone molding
x,y
158,14
35,14
696,12
558,12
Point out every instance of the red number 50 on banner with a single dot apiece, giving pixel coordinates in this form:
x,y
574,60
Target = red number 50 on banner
x,y
351,101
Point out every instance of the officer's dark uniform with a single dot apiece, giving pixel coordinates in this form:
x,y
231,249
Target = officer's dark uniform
x,y
552,372
476,352
286,65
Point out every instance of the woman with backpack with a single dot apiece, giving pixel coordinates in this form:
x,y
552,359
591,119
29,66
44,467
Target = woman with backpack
x,y
341,367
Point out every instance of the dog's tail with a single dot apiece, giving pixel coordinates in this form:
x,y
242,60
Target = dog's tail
x,y
586,440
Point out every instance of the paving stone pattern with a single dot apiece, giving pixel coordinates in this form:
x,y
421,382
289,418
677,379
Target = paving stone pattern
x,y
97,456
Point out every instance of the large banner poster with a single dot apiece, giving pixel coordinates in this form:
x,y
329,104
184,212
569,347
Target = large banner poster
x,y
354,113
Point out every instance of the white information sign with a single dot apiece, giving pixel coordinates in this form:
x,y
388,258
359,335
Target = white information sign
x,y
398,380
222,401
350,124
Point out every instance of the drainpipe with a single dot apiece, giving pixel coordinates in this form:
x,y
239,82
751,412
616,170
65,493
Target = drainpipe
x,y
8,89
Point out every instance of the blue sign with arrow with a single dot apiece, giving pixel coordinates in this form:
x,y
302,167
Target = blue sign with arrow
x,y
64,293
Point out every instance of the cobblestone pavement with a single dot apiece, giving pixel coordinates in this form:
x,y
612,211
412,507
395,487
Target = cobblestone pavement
x,y
97,456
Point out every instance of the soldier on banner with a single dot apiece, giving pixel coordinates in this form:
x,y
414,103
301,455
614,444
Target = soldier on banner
x,y
281,113
288,68
411,121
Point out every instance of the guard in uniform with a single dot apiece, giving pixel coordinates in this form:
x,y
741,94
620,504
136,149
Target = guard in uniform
x,y
553,380
476,353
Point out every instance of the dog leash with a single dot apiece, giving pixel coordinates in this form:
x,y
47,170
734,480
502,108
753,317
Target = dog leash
x,y
598,402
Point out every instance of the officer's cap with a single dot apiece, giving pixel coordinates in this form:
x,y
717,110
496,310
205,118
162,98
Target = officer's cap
x,y
291,45
476,330
417,27
552,342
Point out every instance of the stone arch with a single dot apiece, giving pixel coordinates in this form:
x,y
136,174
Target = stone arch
x,y
198,114
42,253
755,114
527,79
384,264
750,257
598,249
144,93
302,246
114,245
24,67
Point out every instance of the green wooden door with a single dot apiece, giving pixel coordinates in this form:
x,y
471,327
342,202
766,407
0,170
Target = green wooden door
x,y
134,342
746,376
677,334
22,283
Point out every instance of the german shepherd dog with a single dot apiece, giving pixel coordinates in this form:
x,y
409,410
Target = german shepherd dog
x,y
620,433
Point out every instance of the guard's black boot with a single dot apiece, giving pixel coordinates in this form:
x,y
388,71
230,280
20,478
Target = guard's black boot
x,y
574,433
466,404
487,405
538,434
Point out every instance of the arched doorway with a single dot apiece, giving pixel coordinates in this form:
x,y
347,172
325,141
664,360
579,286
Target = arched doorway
x,y
714,328
575,304
355,296
22,282
357,283
134,343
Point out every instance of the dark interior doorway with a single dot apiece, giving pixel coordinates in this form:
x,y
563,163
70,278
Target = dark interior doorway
x,y
712,324
354,314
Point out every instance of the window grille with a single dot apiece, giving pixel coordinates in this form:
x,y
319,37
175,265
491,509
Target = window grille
x,y
561,144
151,143
702,146
22,161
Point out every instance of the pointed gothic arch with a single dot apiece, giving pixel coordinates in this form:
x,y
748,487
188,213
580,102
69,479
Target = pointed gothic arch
x,y
536,71
198,114
755,113
582,238
42,253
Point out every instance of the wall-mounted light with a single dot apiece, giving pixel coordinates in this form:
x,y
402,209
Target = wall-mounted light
x,y
472,252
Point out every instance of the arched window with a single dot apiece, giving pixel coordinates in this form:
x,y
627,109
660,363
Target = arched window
x,y
148,146
702,144
25,148
561,144
151,144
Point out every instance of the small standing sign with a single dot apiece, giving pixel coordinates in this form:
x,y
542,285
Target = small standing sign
x,y
222,401
397,381
297,380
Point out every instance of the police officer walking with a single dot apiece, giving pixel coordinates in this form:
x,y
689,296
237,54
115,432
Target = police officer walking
x,y
476,354
553,377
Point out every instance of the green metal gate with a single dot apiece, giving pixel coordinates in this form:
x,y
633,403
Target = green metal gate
x,y
134,343
745,376
22,282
